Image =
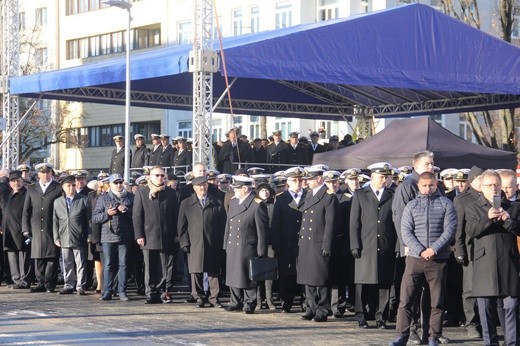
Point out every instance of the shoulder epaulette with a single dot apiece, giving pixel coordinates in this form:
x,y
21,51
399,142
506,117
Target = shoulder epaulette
x,y
330,192
258,200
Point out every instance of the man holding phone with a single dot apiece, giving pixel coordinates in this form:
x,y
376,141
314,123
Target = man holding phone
x,y
492,225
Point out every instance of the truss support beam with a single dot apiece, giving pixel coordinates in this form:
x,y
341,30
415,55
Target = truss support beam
x,y
203,63
10,68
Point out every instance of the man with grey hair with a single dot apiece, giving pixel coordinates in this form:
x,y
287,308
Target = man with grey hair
x,y
509,184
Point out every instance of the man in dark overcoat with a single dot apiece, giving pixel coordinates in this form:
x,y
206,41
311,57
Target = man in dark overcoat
x,y
155,151
183,156
493,230
373,242
296,151
166,158
201,231
154,216
37,219
117,163
234,154
277,153
245,237
18,249
314,147
315,245
285,228
141,156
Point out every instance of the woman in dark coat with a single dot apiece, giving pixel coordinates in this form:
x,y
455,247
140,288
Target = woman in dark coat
x,y
265,288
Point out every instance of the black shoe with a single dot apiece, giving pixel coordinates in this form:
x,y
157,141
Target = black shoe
x,y
249,311
200,303
338,315
49,290
152,300
320,318
39,288
81,291
66,290
307,317
363,324
233,308
286,310
190,300
166,298
106,296
18,287
381,325
141,291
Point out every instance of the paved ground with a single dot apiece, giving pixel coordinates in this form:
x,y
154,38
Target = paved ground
x,y
53,319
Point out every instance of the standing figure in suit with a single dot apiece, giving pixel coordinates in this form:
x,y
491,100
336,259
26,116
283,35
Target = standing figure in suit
x,y
234,154
201,231
37,221
71,230
285,227
117,164
183,156
155,226
314,147
296,151
315,245
277,153
141,156
155,151
167,154
373,242
493,229
245,237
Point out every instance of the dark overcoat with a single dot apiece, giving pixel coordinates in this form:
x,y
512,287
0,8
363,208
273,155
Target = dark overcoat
x,y
155,156
245,237
231,157
202,230
12,221
496,263
320,148
117,164
141,157
342,263
37,219
277,154
166,157
316,235
462,246
285,230
373,232
156,220
183,158
297,156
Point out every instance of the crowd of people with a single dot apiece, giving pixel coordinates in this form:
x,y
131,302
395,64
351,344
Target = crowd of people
x,y
415,246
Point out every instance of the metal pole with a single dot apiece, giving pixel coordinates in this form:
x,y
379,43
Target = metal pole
x,y
127,102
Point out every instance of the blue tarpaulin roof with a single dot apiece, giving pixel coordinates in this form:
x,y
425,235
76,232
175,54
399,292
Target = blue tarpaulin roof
x,y
408,60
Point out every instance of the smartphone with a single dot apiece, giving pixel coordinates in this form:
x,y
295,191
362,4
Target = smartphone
x,y
497,202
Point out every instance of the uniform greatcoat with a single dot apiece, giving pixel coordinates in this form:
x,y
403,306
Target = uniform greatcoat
x,y
183,158
155,156
202,230
316,235
245,237
37,219
166,156
141,157
117,164
373,232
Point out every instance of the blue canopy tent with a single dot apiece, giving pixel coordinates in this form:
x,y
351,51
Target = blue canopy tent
x,y
408,60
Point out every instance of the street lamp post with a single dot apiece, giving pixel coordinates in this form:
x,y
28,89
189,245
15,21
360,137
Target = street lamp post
x,y
126,6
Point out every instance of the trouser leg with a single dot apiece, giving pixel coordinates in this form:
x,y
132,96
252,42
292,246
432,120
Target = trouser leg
x,y
487,308
322,302
13,260
214,288
310,300
383,299
69,272
80,259
410,284
250,299
236,298
510,327
197,286
435,275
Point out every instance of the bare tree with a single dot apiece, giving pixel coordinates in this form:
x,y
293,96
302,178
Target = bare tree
x,y
492,129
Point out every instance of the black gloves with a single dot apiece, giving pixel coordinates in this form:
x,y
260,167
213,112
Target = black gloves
x,y
186,249
325,253
462,260
356,253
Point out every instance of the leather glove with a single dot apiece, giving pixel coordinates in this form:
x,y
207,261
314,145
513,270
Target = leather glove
x,y
325,253
397,254
462,260
186,249
355,253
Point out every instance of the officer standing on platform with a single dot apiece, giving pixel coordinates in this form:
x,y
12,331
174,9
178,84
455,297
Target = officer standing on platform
x,y
141,155
117,164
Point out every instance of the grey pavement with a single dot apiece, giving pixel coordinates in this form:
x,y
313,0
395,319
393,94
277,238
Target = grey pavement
x,y
53,319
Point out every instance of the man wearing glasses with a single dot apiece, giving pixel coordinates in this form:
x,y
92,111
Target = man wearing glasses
x,y
155,227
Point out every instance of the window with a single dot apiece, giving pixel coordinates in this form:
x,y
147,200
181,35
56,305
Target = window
x,y
215,29
237,22
21,21
515,29
285,127
72,49
255,19
283,15
117,41
41,16
83,48
40,57
328,9
184,129
142,39
94,46
184,32
145,129
77,138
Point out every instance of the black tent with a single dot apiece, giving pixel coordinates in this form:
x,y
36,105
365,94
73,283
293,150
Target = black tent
x,y
402,138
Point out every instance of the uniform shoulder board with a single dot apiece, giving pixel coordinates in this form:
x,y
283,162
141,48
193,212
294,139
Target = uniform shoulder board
x,y
348,194
279,194
258,200
330,192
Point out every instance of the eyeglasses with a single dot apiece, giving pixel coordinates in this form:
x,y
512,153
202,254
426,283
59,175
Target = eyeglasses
x,y
491,185
117,182
159,175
